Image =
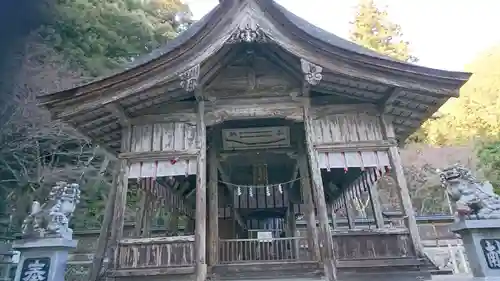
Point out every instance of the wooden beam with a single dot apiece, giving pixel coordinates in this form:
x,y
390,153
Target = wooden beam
x,y
324,233
343,95
354,146
119,113
102,242
201,196
89,124
151,156
213,206
404,193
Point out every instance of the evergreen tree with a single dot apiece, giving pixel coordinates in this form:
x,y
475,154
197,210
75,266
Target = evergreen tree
x,y
102,35
72,38
373,29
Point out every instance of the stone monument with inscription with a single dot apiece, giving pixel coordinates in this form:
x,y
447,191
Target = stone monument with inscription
x,y
47,237
477,220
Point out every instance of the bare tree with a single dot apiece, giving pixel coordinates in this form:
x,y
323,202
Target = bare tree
x,y
35,151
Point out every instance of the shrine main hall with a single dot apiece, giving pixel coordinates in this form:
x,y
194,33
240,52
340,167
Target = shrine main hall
x,y
251,120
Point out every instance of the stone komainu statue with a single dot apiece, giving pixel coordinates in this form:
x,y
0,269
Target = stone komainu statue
x,y
52,218
473,199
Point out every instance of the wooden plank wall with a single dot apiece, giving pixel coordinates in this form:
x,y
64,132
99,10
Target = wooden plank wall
x,y
175,137
346,128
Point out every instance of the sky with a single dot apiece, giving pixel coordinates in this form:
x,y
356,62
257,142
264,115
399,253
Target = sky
x,y
444,34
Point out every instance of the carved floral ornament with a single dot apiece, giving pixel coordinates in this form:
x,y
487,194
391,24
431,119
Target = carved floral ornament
x,y
248,32
189,78
312,72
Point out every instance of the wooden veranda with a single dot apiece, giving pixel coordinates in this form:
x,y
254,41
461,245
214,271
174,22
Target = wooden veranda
x,y
249,119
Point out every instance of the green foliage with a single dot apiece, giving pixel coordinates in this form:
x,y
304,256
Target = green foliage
x,y
475,115
373,29
488,153
102,35
89,36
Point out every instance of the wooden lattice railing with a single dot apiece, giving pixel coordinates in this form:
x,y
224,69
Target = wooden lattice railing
x,y
155,252
276,249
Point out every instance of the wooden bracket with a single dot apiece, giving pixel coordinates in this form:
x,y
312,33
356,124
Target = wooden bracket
x,y
119,113
386,105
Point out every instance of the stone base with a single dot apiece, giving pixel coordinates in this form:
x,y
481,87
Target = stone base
x,y
481,239
47,256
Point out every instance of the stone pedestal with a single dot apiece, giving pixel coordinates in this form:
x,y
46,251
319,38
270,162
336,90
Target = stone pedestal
x,y
43,259
481,240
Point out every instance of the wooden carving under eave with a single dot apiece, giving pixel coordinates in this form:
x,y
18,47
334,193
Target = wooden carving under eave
x,y
312,72
189,78
248,33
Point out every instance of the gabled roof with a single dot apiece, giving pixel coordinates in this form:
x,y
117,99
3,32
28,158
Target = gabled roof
x,y
408,91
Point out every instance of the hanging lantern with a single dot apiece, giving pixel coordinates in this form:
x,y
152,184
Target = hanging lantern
x,y
268,191
250,192
239,191
280,188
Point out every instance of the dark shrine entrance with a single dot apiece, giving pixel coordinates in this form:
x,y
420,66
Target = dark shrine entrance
x,y
259,190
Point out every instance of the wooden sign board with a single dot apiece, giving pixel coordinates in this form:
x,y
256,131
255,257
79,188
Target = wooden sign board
x,y
256,138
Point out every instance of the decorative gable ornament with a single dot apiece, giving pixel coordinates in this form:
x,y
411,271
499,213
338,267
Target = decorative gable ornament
x,y
312,73
248,31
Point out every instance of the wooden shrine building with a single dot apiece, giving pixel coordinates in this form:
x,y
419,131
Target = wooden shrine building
x,y
245,122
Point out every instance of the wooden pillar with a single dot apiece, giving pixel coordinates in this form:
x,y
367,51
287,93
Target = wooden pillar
x,y
173,224
324,233
201,196
334,216
148,215
121,197
404,194
309,214
102,242
376,207
141,212
349,212
213,205
190,226
291,229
